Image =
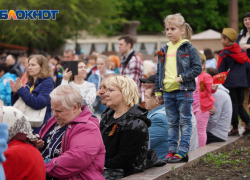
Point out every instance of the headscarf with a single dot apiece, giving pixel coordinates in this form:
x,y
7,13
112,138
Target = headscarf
x,y
18,125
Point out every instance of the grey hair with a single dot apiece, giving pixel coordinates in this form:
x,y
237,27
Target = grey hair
x,y
69,95
72,51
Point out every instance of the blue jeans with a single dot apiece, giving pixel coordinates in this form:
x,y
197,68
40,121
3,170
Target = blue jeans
x,y
178,109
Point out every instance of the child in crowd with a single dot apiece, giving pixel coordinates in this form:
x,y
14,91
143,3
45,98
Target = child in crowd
x,y
234,58
219,122
5,89
178,65
211,61
91,67
203,101
114,63
216,56
92,61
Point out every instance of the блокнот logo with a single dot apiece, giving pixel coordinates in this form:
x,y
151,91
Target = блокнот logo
x,y
28,14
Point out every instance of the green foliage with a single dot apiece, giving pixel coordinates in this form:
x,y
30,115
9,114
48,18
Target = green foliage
x,y
106,17
200,14
173,169
223,158
94,16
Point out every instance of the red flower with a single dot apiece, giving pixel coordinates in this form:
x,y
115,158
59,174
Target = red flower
x,y
113,130
202,86
161,54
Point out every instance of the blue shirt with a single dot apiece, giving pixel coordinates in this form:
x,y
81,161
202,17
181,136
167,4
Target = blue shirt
x,y
211,63
158,131
3,147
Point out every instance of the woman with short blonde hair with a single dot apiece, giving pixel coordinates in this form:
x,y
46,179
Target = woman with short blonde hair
x,y
124,126
128,88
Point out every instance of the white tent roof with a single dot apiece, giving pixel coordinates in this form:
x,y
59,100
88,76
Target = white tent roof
x,y
208,34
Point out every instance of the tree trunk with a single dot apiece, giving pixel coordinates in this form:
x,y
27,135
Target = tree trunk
x,y
233,20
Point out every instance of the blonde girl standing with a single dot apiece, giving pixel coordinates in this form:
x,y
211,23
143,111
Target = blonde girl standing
x,y
178,66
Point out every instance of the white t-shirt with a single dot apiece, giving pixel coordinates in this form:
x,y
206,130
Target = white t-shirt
x,y
243,40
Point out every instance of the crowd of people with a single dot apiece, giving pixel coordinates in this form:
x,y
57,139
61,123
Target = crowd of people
x,y
102,122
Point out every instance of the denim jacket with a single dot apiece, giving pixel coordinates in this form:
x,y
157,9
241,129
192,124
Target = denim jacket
x,y
188,67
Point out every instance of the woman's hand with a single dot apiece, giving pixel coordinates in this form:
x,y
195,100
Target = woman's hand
x,y
159,99
39,142
246,46
16,86
66,74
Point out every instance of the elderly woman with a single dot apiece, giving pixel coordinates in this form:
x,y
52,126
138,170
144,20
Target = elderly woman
x,y
23,160
40,84
159,127
124,126
71,142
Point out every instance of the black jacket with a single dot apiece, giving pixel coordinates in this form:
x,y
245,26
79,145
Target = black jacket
x,y
248,54
235,59
127,148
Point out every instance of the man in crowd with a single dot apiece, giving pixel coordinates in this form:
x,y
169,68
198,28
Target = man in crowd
x,y
12,65
131,64
68,55
23,63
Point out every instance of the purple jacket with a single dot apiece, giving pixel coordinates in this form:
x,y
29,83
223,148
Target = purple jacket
x,y
82,152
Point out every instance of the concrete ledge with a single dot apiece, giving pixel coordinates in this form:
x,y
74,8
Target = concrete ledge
x,y
161,173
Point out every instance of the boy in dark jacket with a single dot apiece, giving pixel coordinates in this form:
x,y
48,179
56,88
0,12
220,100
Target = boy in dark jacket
x,y
234,58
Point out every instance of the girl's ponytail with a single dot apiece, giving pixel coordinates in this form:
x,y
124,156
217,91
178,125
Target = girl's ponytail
x,y
188,32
